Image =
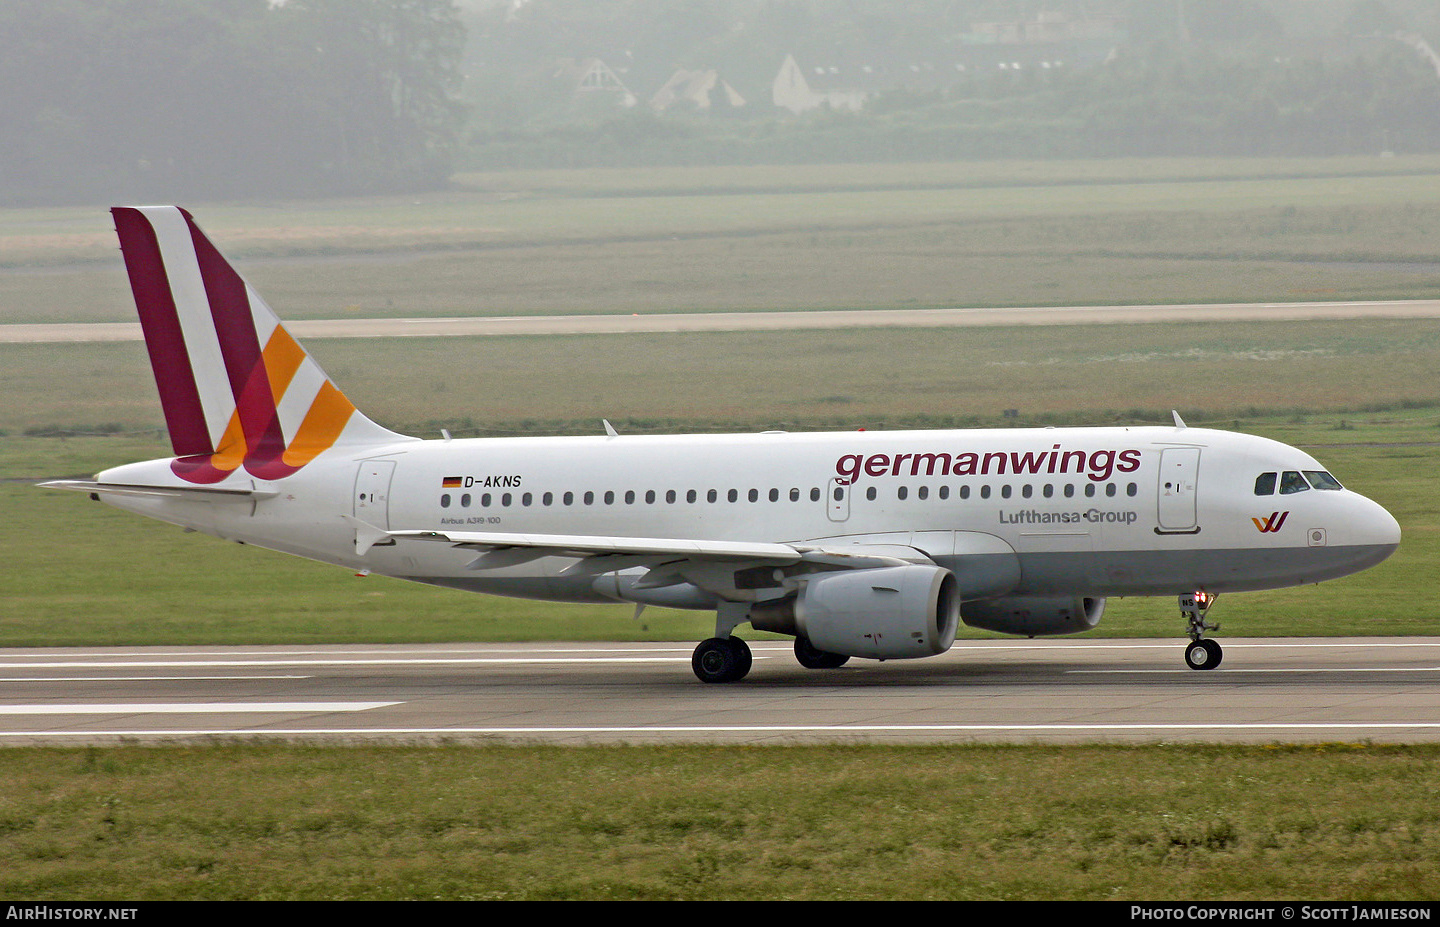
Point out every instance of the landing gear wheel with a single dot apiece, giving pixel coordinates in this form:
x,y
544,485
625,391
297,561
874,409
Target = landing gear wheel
x,y
1203,654
812,657
721,659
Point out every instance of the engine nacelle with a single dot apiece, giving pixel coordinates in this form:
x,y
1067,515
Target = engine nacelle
x,y
1034,616
888,613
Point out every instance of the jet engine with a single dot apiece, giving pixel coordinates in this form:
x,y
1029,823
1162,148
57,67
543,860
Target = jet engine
x,y
1034,616
887,613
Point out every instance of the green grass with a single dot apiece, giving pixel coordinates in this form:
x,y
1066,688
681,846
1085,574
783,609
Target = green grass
x,y
1355,823
797,379
858,236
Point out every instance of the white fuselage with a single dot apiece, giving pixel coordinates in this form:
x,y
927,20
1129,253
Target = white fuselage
x,y
1063,511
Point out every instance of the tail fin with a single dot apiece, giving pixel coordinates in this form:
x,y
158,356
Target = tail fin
x,y
236,388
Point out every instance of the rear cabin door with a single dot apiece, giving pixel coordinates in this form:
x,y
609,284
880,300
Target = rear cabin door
x,y
372,492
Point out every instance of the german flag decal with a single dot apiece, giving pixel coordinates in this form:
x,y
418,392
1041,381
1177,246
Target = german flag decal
x,y
452,482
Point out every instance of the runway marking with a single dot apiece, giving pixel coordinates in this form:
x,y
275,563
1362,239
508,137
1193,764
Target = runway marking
x,y
437,661
1228,671
148,678
186,708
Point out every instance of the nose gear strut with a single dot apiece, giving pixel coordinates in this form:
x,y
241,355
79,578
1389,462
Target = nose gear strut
x,y
1202,653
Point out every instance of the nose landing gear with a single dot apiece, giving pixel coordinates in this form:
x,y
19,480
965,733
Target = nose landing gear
x,y
1202,653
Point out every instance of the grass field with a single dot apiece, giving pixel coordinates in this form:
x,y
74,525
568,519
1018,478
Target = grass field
x,y
1084,233
1354,822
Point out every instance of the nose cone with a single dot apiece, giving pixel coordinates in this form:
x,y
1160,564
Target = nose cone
x,y
1370,531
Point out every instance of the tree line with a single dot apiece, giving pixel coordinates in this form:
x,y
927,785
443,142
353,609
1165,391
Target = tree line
x,y
176,99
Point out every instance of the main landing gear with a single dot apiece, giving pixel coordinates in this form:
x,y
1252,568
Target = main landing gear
x,y
1202,653
724,658
721,659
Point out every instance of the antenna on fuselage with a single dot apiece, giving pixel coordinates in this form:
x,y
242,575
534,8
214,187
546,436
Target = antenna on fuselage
x,y
610,431
1179,423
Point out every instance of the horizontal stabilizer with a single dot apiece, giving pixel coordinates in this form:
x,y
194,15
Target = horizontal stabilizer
x,y
239,494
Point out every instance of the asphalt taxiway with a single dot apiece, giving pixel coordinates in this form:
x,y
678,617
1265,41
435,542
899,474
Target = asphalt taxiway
x,y
479,326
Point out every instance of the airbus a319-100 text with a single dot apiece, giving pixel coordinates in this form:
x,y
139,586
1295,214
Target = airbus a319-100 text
x,y
858,544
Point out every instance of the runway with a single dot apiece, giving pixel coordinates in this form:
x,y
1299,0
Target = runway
x,y
1384,690
479,326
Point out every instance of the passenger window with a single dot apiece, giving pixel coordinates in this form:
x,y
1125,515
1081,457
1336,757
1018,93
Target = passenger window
x,y
1265,484
1319,479
1292,482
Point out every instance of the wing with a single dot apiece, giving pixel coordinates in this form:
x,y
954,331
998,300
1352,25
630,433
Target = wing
x,y
711,564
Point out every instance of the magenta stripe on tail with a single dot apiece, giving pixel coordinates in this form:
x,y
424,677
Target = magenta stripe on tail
x,y
179,396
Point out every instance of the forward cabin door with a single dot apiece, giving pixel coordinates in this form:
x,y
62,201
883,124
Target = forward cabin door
x,y
1179,480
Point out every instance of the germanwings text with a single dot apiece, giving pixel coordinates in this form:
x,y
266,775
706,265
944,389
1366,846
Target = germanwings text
x,y
1097,465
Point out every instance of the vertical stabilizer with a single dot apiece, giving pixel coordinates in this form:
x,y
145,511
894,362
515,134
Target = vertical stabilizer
x,y
236,388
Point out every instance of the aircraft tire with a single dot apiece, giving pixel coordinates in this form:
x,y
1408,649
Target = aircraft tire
x,y
1203,654
812,657
721,659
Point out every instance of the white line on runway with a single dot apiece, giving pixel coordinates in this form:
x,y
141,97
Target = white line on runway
x,y
438,661
186,708
148,678
1265,670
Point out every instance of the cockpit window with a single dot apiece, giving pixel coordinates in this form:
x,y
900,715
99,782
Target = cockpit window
x,y
1265,484
1322,480
1291,481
